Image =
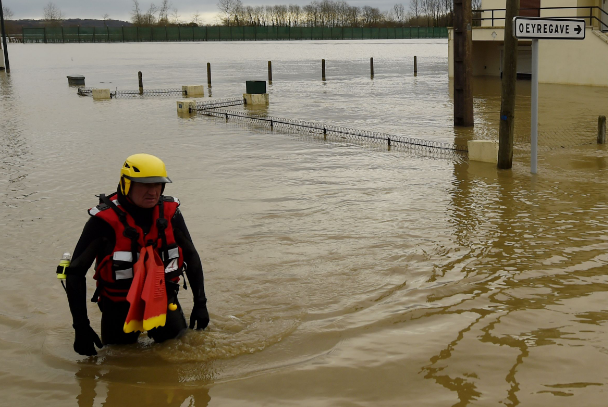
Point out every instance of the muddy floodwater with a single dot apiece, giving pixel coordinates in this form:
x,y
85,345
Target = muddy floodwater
x,y
337,273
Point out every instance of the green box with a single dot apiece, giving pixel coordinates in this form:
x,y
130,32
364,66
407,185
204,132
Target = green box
x,y
256,87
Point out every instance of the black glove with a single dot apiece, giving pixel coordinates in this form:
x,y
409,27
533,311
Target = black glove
x,y
85,339
199,315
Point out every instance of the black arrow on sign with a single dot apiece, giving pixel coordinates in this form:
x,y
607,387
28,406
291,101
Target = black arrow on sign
x,y
578,29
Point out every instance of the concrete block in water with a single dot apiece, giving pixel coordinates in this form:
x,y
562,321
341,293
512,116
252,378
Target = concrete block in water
x,y
483,150
101,94
186,107
256,99
193,90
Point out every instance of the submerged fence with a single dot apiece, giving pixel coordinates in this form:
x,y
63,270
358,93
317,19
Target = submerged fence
x,y
215,33
136,93
215,109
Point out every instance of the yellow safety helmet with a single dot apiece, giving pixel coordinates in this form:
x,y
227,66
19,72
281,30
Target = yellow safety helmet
x,y
144,168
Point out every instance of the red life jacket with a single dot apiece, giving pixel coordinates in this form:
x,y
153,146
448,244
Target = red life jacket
x,y
114,272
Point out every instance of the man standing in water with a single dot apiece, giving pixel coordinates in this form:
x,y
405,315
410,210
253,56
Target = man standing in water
x,y
128,231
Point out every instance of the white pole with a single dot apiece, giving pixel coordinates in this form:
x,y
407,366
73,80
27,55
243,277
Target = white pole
x,y
534,121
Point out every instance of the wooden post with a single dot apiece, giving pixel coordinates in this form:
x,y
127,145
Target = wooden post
x,y
270,71
463,64
209,74
141,83
6,63
601,130
323,69
509,80
371,66
415,66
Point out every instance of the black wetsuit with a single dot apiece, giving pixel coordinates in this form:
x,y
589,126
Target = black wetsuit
x,y
97,241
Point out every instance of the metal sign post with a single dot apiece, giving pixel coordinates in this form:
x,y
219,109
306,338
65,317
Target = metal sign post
x,y
531,28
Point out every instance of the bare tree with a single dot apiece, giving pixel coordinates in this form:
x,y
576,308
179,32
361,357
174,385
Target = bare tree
x,y
416,9
150,17
7,12
163,12
230,9
52,13
196,18
175,17
399,13
136,16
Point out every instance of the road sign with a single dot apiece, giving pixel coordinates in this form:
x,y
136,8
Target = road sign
x,y
530,28
534,28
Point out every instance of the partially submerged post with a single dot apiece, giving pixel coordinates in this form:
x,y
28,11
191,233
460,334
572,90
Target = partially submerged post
x,y
209,74
463,64
141,83
509,80
415,66
601,130
8,65
270,71
371,66
323,69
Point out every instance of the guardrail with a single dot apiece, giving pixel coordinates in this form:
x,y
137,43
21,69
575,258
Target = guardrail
x,y
591,16
82,91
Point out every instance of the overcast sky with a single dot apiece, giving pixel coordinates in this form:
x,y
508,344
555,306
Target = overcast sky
x,y
120,9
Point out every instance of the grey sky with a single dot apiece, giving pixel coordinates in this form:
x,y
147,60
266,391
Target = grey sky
x,y
120,9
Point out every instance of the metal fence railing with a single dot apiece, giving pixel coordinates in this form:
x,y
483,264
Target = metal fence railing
x,y
82,91
217,33
327,130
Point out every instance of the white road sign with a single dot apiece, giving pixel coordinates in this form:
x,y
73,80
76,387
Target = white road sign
x,y
533,28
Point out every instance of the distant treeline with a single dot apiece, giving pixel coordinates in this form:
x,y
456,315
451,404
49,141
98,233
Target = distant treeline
x,y
338,13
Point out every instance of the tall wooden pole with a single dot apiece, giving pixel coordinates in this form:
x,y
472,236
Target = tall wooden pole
x,y
8,65
509,80
463,64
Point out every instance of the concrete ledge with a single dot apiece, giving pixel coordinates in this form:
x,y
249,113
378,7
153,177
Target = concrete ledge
x,y
253,99
186,106
193,90
483,150
101,94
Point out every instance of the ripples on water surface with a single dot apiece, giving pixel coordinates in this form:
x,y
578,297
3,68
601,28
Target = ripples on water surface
x,y
337,274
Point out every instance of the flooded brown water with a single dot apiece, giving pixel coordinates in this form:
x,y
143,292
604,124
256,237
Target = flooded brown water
x,y
337,273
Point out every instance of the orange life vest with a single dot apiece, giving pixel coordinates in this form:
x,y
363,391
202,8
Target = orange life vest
x,y
114,272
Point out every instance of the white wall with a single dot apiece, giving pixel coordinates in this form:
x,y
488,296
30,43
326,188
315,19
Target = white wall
x,y
574,62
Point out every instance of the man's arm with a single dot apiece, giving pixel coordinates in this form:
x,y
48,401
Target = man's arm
x,y
194,271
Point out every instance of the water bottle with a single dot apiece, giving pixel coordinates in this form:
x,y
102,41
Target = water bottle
x,y
63,263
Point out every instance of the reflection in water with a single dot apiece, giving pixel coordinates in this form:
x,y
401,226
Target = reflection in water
x,y
128,386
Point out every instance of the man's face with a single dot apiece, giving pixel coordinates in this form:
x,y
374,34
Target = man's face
x,y
145,195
